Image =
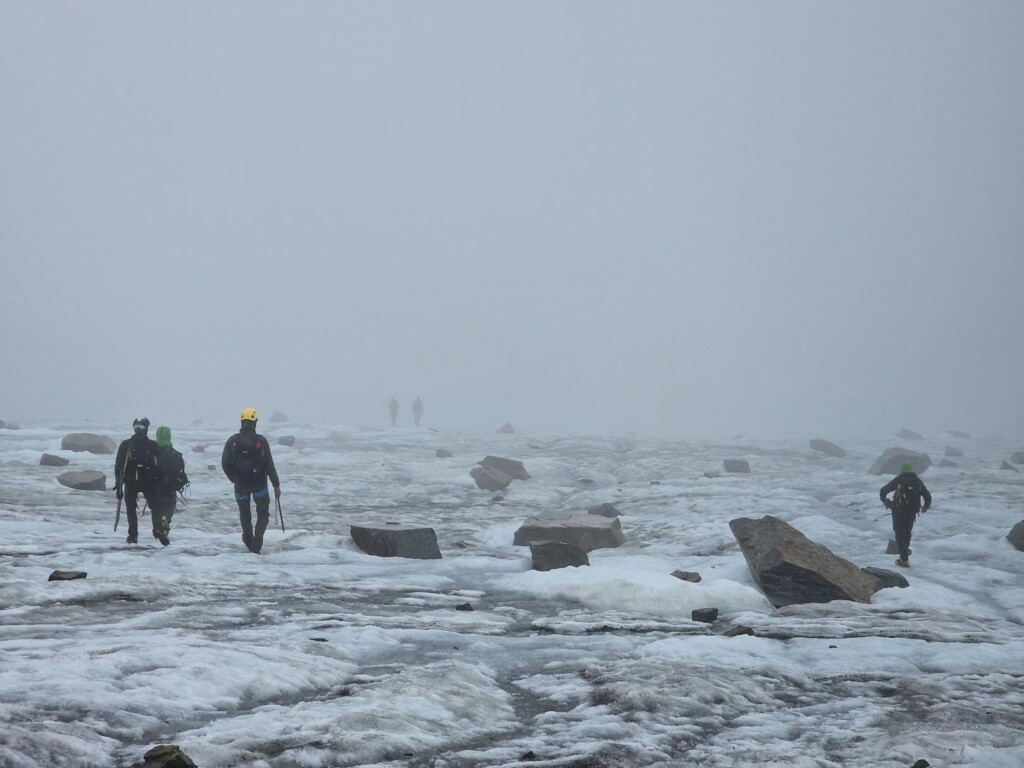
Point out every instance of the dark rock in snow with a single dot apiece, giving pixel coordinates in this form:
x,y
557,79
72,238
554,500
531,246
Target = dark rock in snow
x,y
890,461
277,418
922,763
1017,457
288,440
443,453
736,465
550,555
88,442
690,576
165,756
604,510
84,480
829,449
489,479
736,631
463,607
790,568
396,540
506,429
198,449
705,615
952,450
1016,536
886,578
1009,466
908,434
711,474
511,467
49,460
66,575
588,532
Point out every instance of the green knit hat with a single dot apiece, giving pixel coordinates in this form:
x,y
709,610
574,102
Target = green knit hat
x,y
163,436
903,467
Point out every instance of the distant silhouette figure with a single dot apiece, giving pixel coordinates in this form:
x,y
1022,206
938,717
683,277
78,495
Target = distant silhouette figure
x,y
417,410
393,410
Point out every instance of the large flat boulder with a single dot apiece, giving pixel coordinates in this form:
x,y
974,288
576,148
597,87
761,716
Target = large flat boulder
x,y
1017,457
397,540
49,460
586,531
549,555
890,461
909,434
88,442
490,479
829,449
736,465
790,568
84,480
511,467
604,510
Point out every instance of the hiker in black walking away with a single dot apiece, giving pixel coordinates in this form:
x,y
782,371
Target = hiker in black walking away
x,y
907,491
417,410
135,471
171,479
247,463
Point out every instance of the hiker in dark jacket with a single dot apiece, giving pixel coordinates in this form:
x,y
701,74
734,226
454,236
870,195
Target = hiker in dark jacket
x,y
908,490
247,463
135,472
171,479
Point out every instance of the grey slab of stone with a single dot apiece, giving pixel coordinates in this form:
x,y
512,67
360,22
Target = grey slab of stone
x,y
511,467
49,460
690,576
288,440
443,453
1017,457
736,465
88,442
886,578
1009,466
952,450
1016,536
490,479
705,615
277,418
66,575
506,429
397,540
908,434
604,510
84,480
828,448
588,532
551,555
790,568
892,459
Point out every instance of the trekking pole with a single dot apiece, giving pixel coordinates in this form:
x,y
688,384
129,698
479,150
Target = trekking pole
x,y
117,515
280,513
124,469
143,512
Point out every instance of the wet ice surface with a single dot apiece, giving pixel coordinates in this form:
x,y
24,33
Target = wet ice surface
x,y
315,654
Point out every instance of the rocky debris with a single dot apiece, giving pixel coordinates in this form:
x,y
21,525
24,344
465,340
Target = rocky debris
x,y
397,540
463,607
9,425
506,429
892,459
288,440
198,449
88,442
549,555
790,568
277,418
892,548
490,479
1016,536
952,450
736,465
829,449
1009,466
959,433
511,467
586,531
1017,457
690,576
736,631
711,474
66,575
886,578
49,460
705,615
84,480
165,756
946,464
604,510
922,763
908,434
443,453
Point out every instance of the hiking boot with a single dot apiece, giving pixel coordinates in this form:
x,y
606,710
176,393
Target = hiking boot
x,y
247,540
164,540
131,540
902,563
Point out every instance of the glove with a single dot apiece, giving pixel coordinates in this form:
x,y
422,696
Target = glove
x,y
119,493
277,491
888,504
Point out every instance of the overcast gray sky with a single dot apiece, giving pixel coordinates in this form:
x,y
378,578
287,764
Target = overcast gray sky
x,y
670,218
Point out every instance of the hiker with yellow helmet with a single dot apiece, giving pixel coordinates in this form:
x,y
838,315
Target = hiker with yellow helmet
x,y
247,462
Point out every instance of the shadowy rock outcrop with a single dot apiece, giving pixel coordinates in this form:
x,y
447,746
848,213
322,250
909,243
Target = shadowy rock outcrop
x,y
511,467
49,460
277,418
88,442
165,756
741,466
549,555
953,451
288,440
828,448
490,479
84,480
586,531
892,459
1016,536
397,540
506,429
67,575
604,510
909,434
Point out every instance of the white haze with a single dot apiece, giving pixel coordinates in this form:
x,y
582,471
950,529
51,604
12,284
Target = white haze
x,y
661,218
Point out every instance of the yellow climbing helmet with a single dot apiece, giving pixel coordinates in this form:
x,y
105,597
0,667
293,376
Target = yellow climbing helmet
x,y
249,414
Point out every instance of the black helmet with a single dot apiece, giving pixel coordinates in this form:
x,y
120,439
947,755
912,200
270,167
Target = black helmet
x,y
141,425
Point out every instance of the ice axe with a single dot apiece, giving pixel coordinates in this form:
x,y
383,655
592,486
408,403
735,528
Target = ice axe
x,y
280,514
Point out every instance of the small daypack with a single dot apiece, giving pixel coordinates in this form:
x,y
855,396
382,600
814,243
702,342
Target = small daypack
x,y
908,494
250,461
172,470
142,463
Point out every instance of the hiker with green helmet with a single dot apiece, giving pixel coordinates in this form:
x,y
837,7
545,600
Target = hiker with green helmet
x,y
907,492
171,479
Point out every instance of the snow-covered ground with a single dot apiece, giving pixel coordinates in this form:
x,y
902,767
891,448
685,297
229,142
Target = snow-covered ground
x,y
316,654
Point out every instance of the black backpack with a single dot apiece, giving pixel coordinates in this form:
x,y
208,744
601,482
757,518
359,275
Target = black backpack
x,y
141,465
172,470
908,494
250,461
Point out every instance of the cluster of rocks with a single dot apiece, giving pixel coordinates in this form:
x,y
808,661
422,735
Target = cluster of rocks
x,y
496,474
892,459
8,425
165,756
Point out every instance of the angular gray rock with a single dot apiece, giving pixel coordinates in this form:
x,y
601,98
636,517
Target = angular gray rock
x,y
604,510
586,531
549,555
886,578
790,568
49,460
198,449
443,453
690,576
84,480
829,449
908,434
1016,536
88,442
1009,466
1017,457
490,479
506,429
952,450
511,467
165,756
397,540
288,440
277,418
736,465
892,458
67,575
705,615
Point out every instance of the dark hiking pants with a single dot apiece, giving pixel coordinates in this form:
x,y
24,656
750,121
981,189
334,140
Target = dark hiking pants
x,y
253,539
168,505
131,505
902,525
